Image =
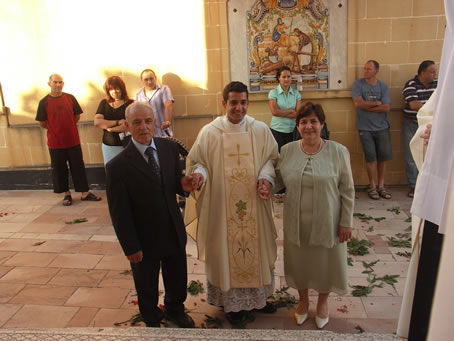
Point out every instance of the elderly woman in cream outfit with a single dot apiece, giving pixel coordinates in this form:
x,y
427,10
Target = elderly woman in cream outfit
x,y
318,213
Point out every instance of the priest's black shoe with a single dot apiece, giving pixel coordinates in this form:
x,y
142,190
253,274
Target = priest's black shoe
x,y
236,317
269,308
182,319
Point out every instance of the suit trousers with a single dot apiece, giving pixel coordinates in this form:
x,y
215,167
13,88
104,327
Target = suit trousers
x,y
59,159
146,280
426,280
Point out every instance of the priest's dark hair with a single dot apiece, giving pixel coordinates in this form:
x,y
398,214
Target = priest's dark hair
x,y
234,87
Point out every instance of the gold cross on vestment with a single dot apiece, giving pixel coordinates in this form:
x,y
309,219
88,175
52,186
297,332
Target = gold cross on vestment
x,y
238,154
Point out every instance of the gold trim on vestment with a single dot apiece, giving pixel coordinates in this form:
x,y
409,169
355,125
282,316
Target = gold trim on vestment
x,y
241,211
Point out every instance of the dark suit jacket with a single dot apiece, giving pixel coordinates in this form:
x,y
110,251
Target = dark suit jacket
x,y
139,208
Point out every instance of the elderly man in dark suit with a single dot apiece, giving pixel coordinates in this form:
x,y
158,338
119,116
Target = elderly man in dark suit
x,y
142,182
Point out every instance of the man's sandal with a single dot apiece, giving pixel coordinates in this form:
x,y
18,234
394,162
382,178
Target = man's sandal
x,y
67,200
91,197
384,193
373,194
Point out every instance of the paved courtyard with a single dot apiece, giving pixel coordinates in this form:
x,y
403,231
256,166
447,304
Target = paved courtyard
x,y
59,275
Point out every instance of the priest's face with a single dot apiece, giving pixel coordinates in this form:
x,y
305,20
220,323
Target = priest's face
x,y
236,106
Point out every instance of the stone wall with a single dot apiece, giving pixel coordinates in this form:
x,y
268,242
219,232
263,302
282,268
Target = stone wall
x,y
397,33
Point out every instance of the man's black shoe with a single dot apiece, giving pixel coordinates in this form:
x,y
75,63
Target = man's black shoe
x,y
182,320
269,308
154,320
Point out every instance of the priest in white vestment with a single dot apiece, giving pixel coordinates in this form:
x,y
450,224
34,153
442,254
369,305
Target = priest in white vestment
x,y
433,202
231,220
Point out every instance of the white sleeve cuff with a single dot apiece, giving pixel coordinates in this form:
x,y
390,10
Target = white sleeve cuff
x,y
269,178
202,171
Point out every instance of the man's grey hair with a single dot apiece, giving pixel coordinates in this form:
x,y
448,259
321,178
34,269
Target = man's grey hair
x,y
138,106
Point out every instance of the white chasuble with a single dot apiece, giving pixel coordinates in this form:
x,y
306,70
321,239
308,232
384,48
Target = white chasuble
x,y
241,210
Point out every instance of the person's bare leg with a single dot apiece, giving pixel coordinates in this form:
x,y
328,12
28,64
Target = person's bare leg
x,y
381,174
371,168
303,306
322,305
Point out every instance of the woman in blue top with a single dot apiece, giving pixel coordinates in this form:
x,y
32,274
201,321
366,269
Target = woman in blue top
x,y
284,102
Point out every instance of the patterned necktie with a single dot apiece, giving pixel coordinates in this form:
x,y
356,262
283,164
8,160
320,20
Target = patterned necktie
x,y
152,162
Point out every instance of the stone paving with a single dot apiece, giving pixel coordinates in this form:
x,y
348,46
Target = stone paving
x,y
59,275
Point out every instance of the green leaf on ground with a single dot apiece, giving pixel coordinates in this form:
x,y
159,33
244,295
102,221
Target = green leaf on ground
x,y
370,265
361,290
349,261
395,210
399,242
126,272
195,288
366,218
405,254
38,243
389,279
408,220
358,247
76,221
212,322
132,321
282,299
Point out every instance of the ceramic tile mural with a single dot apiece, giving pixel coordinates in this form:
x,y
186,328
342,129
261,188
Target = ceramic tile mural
x,y
294,33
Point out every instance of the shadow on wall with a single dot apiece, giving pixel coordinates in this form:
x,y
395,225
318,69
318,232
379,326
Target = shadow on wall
x,y
95,93
193,108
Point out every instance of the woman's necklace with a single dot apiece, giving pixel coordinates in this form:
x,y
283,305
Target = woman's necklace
x,y
312,153
117,103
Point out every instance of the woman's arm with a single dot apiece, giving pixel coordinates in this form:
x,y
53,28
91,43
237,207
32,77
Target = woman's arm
x,y
299,105
275,111
347,194
110,125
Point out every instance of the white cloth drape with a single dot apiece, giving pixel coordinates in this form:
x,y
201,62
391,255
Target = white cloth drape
x,y
434,194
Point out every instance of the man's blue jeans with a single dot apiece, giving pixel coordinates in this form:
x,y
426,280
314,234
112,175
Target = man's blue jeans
x,y
408,131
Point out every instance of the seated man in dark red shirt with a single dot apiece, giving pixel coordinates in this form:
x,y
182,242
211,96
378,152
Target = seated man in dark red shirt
x,y
59,112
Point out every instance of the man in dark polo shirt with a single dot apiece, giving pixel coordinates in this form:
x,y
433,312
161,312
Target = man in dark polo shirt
x,y
59,112
416,92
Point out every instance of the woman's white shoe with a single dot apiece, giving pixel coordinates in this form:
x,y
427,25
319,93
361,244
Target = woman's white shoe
x,y
300,318
321,322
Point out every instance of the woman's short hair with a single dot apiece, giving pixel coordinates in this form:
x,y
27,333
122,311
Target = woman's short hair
x,y
282,69
308,109
115,82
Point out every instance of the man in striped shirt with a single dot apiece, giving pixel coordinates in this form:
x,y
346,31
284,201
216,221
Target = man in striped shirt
x,y
416,92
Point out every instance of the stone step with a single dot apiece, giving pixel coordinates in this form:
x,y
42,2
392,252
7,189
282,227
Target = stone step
x,y
171,334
